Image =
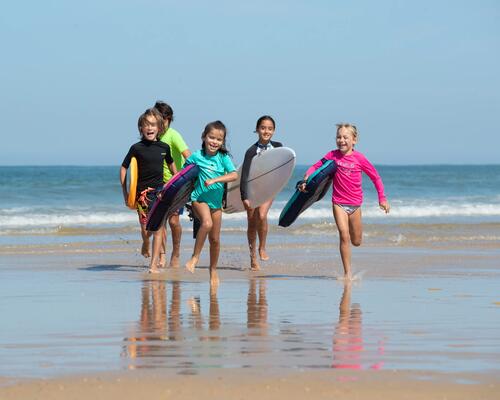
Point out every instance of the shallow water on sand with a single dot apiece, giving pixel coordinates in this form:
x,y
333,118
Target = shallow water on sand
x,y
104,318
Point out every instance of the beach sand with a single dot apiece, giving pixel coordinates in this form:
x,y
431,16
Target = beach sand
x,y
84,320
243,384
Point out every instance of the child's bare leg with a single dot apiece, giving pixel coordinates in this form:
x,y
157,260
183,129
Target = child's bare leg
x,y
176,229
214,239
252,239
342,221
155,259
202,211
262,228
162,261
192,263
145,235
356,228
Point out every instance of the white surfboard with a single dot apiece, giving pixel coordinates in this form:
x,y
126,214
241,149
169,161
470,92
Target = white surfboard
x,y
269,173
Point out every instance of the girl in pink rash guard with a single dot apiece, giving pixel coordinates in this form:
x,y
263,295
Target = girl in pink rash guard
x,y
347,195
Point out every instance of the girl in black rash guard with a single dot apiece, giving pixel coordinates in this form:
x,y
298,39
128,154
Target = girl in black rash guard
x,y
150,154
257,217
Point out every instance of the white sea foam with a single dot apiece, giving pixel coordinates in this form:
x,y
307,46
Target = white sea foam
x,y
409,212
28,219
403,210
438,210
48,220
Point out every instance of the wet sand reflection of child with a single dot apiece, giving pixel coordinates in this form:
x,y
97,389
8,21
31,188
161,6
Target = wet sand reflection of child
x,y
348,349
214,320
257,307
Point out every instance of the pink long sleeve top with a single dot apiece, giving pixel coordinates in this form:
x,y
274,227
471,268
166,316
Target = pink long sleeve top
x,y
346,184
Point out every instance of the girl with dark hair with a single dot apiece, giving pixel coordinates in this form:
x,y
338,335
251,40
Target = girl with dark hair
x,y
216,169
257,217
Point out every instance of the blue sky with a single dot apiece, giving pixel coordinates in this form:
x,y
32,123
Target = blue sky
x,y
420,79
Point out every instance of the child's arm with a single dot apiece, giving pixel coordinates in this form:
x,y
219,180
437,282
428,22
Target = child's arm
x,y
181,146
368,168
229,169
302,185
123,182
385,206
229,177
245,170
172,168
169,160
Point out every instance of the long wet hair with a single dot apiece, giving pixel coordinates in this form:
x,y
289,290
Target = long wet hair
x,y
210,127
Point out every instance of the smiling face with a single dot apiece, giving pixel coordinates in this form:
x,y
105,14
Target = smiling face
x,y
150,128
345,140
265,130
213,141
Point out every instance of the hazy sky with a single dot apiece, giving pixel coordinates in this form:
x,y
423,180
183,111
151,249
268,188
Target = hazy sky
x,y
420,79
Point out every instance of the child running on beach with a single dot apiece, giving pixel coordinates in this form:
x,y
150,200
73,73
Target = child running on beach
x,y
180,152
150,155
257,217
216,168
347,195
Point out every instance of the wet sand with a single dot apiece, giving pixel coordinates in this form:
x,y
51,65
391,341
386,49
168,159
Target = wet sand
x,y
86,321
243,384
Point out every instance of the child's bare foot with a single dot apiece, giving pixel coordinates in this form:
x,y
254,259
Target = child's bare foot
x,y
191,264
174,261
346,278
162,262
214,279
254,264
154,270
145,248
263,255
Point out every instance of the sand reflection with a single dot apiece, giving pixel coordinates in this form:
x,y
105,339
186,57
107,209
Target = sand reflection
x,y
257,308
348,349
198,320
156,325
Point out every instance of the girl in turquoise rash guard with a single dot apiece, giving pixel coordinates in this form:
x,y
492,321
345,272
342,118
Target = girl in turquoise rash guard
x,y
216,168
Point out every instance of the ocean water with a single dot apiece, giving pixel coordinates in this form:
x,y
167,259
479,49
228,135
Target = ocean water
x,y
72,200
